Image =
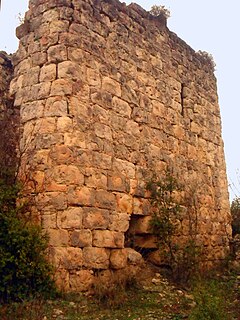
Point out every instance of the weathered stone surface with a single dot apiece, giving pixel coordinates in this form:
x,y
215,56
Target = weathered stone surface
x,y
124,203
61,87
119,222
94,218
82,196
96,258
134,257
58,237
95,179
48,73
81,238
108,239
111,86
67,258
141,206
141,225
68,69
49,221
81,281
102,109
61,278
70,218
105,200
118,259
57,53
67,174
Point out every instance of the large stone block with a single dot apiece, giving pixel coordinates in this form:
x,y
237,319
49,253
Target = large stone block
x,y
95,178
58,237
61,278
121,107
141,225
59,154
81,238
81,196
117,182
119,222
49,201
81,281
93,77
94,218
105,199
96,258
61,87
57,53
118,258
67,258
141,206
70,218
48,73
124,203
66,174
111,86
69,70
134,257
49,221
56,107
108,239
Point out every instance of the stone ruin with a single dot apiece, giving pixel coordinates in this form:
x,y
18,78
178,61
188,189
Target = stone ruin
x,y
103,95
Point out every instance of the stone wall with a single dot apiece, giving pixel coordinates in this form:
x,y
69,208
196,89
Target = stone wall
x,y
108,95
9,118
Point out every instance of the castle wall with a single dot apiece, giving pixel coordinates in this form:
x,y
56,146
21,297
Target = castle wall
x,y
108,96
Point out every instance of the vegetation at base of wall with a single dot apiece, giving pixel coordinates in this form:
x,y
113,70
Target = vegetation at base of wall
x,y
166,209
215,298
235,212
113,291
211,301
24,270
167,206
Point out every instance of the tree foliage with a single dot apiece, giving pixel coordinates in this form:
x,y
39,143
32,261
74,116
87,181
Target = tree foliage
x,y
24,270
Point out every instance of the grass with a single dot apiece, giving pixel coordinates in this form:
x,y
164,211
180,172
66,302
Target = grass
x,y
215,299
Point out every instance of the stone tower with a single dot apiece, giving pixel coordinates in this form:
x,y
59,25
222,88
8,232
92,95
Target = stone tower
x,y
107,96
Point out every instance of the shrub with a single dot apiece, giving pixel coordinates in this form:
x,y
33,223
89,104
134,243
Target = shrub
x,y
166,209
111,290
24,270
235,212
160,10
208,59
169,209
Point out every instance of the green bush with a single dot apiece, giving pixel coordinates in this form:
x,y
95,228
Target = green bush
x,y
167,213
24,270
235,212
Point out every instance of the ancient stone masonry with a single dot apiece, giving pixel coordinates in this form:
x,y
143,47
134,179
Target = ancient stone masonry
x,y
108,96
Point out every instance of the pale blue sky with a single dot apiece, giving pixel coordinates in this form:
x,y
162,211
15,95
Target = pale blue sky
x,y
207,25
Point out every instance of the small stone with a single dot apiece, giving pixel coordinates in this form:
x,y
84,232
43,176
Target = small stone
x,y
156,281
57,312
